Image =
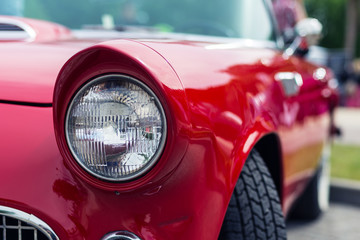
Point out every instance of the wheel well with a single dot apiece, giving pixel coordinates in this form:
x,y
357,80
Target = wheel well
x,y
269,149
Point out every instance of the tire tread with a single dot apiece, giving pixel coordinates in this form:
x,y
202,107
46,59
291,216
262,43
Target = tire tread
x,y
254,211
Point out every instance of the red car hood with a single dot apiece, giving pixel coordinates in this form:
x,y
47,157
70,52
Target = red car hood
x,y
29,70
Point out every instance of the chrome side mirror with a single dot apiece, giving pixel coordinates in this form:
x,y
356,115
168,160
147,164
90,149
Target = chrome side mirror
x,y
311,29
308,33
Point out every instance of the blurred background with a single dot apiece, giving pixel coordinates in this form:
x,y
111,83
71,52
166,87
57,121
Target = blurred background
x,y
341,50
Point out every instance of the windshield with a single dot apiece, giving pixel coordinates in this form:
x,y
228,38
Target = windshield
x,y
232,18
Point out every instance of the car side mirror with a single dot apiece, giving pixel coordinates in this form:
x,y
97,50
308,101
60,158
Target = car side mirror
x,y
310,29
308,33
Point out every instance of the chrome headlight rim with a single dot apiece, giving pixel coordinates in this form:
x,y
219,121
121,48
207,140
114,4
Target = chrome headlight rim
x,y
155,158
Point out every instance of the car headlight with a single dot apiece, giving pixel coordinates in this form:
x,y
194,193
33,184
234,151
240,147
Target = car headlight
x,y
115,128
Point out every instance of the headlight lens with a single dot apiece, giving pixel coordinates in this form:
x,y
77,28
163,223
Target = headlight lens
x,y
115,128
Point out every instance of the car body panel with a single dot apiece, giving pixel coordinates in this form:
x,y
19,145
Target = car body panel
x,y
37,67
244,84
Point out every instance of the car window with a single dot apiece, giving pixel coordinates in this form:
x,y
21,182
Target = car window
x,y
255,21
232,18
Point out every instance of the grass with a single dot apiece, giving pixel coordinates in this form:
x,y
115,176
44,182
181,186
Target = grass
x,y
345,161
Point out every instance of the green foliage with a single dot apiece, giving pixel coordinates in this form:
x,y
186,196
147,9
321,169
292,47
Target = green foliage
x,y
345,161
332,14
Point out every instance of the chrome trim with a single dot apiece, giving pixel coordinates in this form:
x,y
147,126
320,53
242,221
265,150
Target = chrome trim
x,y
290,82
242,43
120,235
24,26
320,74
29,219
161,147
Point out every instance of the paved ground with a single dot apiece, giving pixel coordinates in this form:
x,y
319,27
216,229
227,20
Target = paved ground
x,y
341,222
348,119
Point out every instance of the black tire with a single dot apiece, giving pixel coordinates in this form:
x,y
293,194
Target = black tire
x,y
254,211
315,199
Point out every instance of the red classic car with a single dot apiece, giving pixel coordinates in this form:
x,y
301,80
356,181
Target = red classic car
x,y
176,124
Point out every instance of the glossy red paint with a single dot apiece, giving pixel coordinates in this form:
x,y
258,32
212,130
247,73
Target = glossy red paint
x,y
29,71
239,102
219,100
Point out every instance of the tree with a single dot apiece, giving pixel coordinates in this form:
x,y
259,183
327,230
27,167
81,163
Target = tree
x,y
352,10
331,13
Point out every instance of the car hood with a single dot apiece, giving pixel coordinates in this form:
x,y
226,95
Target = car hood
x,y
29,70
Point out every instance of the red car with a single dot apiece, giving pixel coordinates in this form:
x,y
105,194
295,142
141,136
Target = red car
x,y
177,124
